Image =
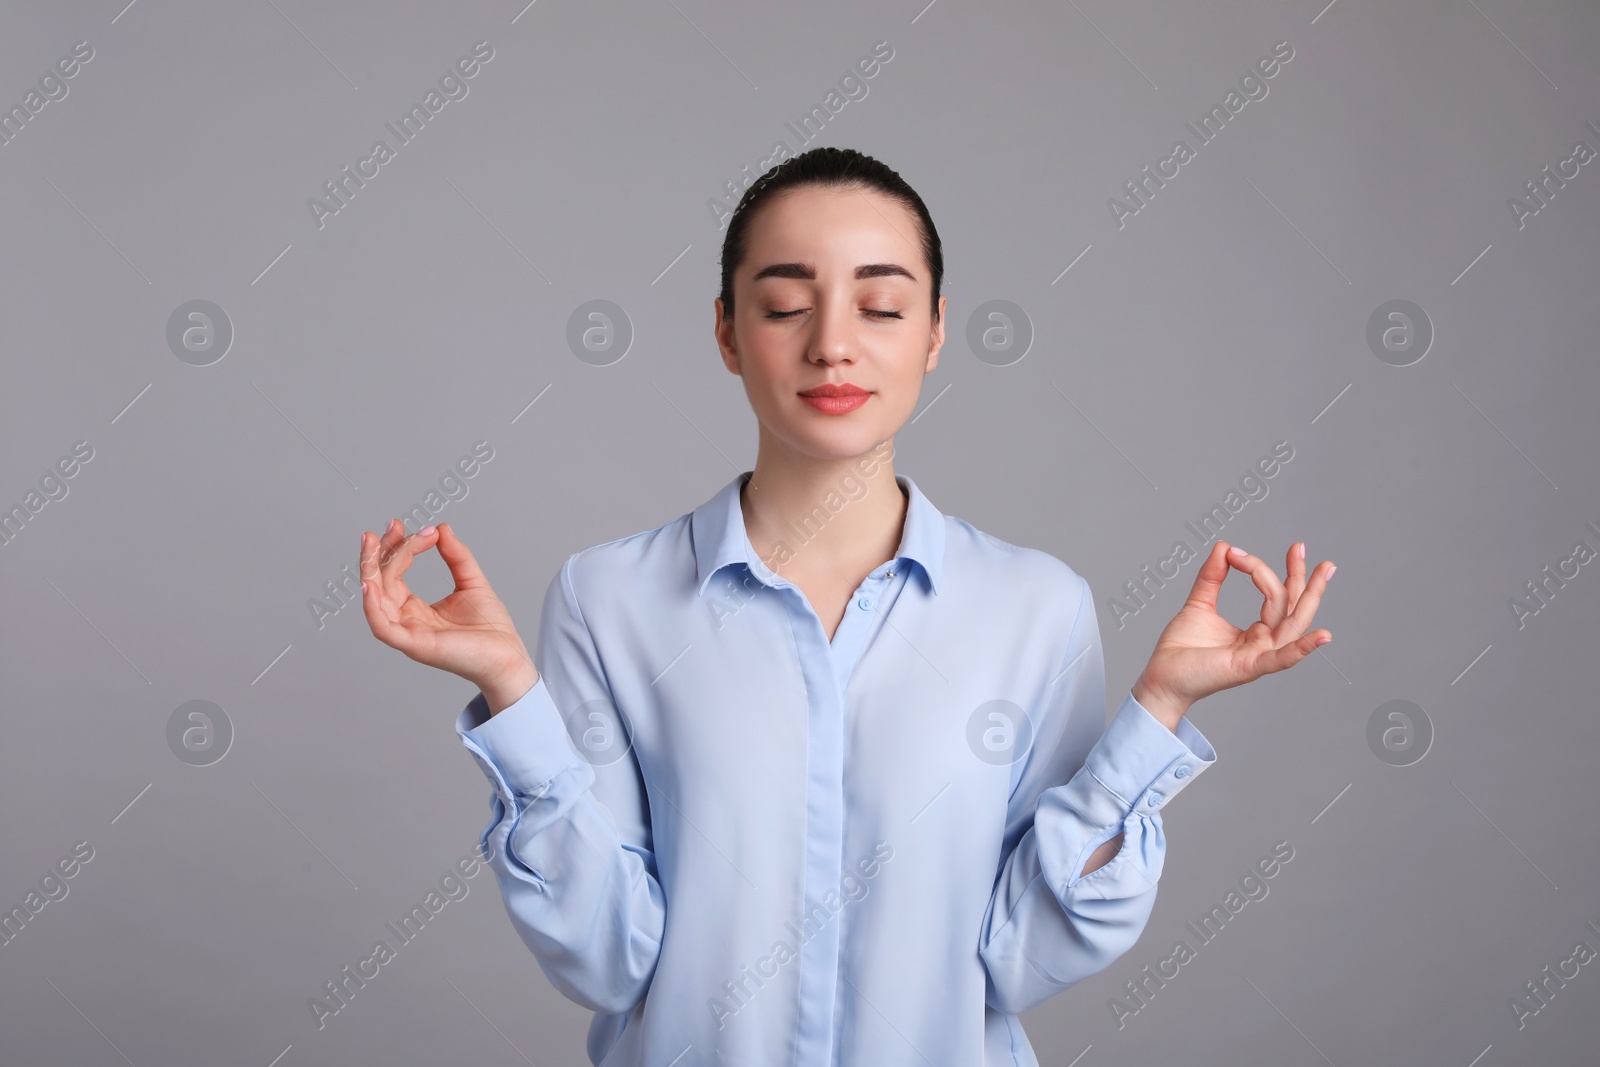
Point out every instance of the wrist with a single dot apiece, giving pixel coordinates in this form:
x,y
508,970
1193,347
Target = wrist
x,y
1167,708
509,686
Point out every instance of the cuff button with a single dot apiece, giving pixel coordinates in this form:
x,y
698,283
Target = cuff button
x,y
1182,771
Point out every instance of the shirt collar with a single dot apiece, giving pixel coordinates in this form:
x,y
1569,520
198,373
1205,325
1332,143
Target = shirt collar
x,y
720,539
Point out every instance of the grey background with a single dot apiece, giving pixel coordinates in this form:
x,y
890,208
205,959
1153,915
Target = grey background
x,y
371,353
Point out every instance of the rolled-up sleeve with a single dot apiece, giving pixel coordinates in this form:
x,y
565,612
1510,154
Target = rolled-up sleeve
x,y
569,835
1048,926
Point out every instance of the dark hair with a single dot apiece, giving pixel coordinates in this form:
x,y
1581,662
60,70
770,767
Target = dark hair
x,y
828,167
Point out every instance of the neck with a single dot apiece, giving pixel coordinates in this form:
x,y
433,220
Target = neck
x,y
806,516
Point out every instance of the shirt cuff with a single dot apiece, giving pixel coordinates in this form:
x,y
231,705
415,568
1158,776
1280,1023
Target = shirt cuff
x,y
523,747
1137,766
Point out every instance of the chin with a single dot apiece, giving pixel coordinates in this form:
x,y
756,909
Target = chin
x,y
840,444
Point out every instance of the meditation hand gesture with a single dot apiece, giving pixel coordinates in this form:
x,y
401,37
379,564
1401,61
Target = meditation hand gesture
x,y
468,633
1200,652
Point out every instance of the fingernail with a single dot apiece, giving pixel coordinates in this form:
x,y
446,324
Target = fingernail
x,y
1330,572
363,588
1323,641
1302,550
1237,551
426,530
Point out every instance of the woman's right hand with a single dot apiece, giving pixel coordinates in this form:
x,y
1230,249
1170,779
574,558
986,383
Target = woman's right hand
x,y
468,633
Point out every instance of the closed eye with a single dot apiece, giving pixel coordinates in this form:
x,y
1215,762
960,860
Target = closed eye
x,y
798,311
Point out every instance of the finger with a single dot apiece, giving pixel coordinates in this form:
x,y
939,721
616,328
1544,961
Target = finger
x,y
1305,609
1293,652
1275,604
371,570
371,601
1296,583
393,534
373,554
367,567
385,627
372,587
459,558
1209,578
399,559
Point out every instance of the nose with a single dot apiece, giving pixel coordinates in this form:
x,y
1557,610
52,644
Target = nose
x,y
833,336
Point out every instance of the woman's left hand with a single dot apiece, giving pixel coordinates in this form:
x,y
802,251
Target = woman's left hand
x,y
1200,652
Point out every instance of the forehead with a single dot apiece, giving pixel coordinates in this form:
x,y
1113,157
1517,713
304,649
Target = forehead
x,y
833,227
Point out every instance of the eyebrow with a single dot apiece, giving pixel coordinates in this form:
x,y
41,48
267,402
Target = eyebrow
x,y
809,273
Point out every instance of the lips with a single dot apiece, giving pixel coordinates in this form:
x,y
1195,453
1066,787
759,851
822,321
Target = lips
x,y
830,389
835,398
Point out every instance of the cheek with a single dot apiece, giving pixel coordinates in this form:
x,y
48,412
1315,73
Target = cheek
x,y
910,365
763,385
903,405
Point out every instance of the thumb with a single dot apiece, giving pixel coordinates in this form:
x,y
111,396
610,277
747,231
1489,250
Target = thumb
x,y
458,557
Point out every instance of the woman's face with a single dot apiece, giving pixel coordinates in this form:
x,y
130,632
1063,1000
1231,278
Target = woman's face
x,y
803,317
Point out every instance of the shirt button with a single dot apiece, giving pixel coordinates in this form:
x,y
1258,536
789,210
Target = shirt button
x,y
865,603
1182,771
1153,798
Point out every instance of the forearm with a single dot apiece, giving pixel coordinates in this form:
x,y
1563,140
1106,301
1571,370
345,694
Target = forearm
x,y
1078,887
1168,712
586,901
1102,855
1049,927
592,912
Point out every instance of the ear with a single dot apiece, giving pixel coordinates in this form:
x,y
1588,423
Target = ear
x,y
936,340
722,330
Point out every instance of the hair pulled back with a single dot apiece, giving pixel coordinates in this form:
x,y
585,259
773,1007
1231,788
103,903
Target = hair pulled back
x,y
833,168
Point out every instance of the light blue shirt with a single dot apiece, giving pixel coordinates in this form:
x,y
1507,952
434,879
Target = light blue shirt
x,y
741,843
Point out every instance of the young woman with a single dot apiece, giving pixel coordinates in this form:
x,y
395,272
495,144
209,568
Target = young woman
x,y
815,774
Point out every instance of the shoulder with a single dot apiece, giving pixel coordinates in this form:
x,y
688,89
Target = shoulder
x,y
1032,574
625,565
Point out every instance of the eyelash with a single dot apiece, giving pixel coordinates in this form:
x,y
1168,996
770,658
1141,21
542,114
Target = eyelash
x,y
870,311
